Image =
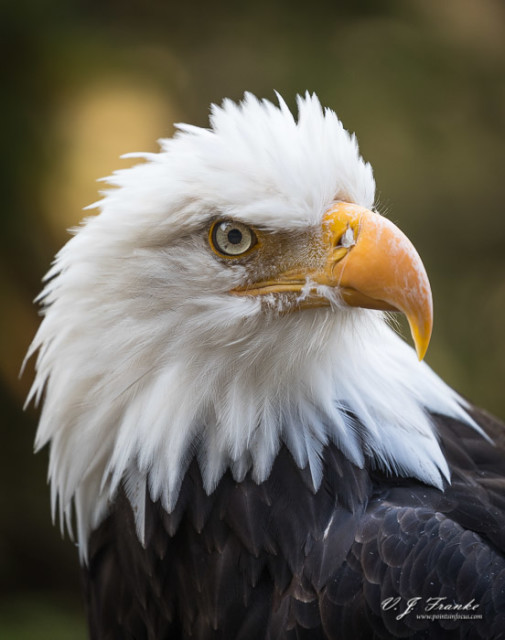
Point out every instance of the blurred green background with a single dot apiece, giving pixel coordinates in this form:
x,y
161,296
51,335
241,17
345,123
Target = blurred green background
x,y
421,82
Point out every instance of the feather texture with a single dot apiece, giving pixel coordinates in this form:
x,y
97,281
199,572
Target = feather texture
x,y
278,560
241,472
145,360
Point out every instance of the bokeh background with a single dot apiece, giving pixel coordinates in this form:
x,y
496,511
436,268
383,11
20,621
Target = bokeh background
x,y
422,82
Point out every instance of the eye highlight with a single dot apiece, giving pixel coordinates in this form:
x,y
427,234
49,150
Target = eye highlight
x,y
231,239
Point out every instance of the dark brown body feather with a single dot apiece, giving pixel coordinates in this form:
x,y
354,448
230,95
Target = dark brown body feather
x,y
278,561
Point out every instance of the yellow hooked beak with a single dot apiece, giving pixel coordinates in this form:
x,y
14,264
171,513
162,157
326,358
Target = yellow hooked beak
x,y
372,264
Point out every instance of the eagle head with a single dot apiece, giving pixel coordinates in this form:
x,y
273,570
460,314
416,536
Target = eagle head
x,y
228,300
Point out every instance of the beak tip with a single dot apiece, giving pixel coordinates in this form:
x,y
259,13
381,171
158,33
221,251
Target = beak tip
x,y
421,352
421,341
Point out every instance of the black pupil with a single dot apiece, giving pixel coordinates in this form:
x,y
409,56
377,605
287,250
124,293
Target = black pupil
x,y
235,236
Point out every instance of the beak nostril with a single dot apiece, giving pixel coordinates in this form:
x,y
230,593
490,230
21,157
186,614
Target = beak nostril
x,y
346,240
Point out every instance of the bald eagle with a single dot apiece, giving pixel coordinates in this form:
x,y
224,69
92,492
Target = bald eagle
x,y
240,444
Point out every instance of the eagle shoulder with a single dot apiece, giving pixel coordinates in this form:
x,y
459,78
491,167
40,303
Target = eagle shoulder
x,y
280,560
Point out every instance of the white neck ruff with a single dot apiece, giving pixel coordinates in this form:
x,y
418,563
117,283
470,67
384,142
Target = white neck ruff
x,y
298,381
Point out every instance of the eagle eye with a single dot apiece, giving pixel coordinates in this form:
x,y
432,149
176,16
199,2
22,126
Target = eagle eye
x,y
231,239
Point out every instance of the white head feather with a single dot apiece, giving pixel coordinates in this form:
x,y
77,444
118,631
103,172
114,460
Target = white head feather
x,y
146,360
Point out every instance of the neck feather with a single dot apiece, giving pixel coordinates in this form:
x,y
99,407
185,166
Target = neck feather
x,y
233,406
